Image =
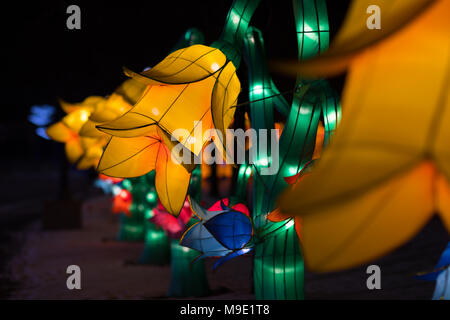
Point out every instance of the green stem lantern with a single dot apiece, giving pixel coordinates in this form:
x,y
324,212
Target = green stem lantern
x,y
278,262
156,243
188,279
132,227
232,38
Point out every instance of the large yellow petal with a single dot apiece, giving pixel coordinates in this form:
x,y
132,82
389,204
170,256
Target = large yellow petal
x,y
172,181
354,35
385,125
60,132
74,150
90,103
89,130
131,90
224,99
352,232
190,111
183,66
113,107
176,109
89,143
129,157
441,130
134,123
443,200
90,158
393,103
76,119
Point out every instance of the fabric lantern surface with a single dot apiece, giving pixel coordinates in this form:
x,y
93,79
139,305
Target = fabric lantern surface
x,y
440,274
192,84
85,152
133,157
386,171
172,226
278,261
224,233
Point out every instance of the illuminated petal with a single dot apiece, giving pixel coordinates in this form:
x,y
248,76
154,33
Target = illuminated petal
x,y
74,150
134,123
90,103
111,109
395,117
86,162
76,119
224,98
172,181
443,200
370,144
190,111
60,132
441,133
183,66
89,130
185,157
129,157
177,109
354,36
131,90
351,232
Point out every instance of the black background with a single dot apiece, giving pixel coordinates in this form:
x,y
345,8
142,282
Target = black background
x,y
45,61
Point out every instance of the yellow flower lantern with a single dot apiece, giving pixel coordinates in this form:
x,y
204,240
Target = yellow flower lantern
x,y
133,157
83,151
387,169
112,107
196,83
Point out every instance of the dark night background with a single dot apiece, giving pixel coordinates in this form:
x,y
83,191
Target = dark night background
x,y
44,61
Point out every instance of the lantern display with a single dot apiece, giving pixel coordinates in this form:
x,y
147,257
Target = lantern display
x,y
187,279
41,116
278,266
172,226
225,232
156,243
385,172
318,188
440,274
85,152
122,202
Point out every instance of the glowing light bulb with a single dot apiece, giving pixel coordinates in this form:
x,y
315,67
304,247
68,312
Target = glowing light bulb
x,y
289,224
84,115
258,89
215,66
235,18
150,196
155,111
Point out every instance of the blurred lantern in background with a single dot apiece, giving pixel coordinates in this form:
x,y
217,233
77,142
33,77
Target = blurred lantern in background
x,y
386,171
156,243
220,231
172,226
85,152
41,116
440,274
